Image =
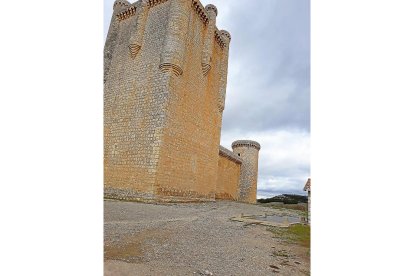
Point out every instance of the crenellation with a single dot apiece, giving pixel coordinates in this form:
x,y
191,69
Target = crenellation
x,y
245,143
201,11
127,13
153,3
219,39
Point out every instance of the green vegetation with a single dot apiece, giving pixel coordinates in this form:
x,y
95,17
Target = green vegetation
x,y
296,207
281,253
297,233
285,198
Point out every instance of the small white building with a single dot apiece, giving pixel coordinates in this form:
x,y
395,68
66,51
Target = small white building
x,y
308,189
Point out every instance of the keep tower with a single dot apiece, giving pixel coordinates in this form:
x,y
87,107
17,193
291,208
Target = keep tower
x,y
165,78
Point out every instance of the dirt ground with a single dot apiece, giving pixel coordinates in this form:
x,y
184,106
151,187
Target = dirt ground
x,y
195,239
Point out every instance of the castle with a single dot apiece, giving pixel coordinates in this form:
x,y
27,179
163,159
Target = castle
x,y
165,78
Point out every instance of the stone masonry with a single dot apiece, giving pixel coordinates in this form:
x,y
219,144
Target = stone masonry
x,y
249,152
165,78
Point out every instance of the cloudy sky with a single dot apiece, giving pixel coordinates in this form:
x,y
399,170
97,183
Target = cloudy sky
x,y
268,91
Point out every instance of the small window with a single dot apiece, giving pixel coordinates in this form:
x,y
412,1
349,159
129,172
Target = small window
x,y
238,154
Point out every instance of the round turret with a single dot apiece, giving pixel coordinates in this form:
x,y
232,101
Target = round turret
x,y
211,7
226,34
248,151
119,4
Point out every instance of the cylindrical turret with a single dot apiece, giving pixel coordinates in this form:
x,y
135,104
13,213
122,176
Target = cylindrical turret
x,y
135,42
120,5
172,57
111,37
212,12
248,151
226,37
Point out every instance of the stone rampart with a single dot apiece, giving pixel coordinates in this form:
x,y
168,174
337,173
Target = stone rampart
x,y
228,175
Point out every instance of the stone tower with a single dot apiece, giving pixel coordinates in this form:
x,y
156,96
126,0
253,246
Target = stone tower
x,y
248,151
165,77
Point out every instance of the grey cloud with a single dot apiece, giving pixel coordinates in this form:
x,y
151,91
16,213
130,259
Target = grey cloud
x,y
269,79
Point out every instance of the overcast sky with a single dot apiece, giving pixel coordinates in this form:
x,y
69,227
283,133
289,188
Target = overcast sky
x,y
268,91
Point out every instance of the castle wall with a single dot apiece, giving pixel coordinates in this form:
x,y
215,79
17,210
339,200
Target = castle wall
x,y
228,178
135,100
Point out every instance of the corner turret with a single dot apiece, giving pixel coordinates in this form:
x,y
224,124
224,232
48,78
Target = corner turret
x,y
212,12
224,39
227,36
211,7
120,5
137,35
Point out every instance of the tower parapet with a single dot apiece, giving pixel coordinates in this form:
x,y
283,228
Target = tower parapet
x,y
153,3
246,143
126,13
248,151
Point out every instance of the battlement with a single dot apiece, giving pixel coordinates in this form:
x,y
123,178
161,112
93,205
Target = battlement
x,y
230,155
127,13
219,39
153,3
201,11
245,143
125,10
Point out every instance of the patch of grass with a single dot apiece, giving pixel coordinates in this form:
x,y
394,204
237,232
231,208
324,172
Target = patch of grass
x,y
297,233
281,253
286,209
296,207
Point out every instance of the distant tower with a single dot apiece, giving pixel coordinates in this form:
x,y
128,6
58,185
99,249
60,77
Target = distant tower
x,y
249,151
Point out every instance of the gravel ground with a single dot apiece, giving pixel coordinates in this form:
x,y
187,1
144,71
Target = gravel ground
x,y
194,239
